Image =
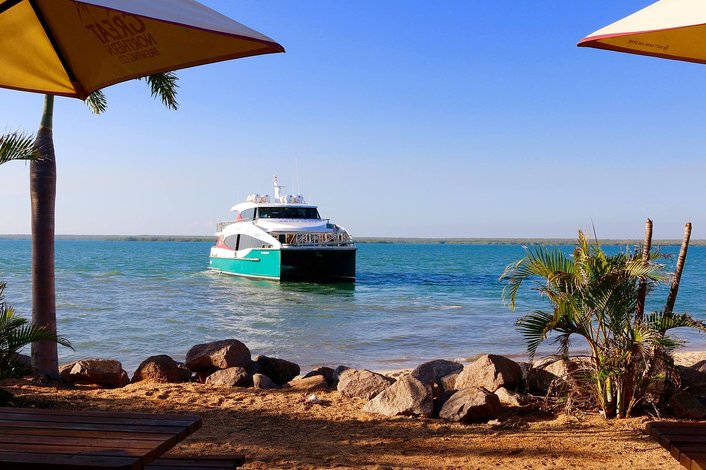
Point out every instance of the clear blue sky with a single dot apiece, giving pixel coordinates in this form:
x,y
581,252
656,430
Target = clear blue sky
x,y
401,118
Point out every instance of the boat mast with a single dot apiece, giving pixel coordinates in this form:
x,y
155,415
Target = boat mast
x,y
277,188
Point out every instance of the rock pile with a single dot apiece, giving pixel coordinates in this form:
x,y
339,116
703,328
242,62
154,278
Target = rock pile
x,y
477,392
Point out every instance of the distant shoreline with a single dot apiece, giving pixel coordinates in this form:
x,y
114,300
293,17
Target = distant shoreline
x,y
388,240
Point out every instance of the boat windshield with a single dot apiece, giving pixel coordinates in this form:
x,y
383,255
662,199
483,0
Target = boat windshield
x,y
288,213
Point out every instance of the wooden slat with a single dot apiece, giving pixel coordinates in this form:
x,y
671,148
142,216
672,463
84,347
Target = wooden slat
x,y
689,459
669,440
32,461
206,462
153,421
87,433
698,464
84,441
118,414
56,449
180,432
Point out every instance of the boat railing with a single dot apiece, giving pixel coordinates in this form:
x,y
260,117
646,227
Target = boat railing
x,y
222,225
315,238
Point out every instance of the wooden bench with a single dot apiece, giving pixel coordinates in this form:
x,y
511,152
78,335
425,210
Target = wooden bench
x,y
686,442
197,463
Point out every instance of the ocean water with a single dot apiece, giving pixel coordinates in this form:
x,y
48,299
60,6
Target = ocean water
x,y
411,303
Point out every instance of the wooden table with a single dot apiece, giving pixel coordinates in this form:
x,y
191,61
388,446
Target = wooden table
x,y
69,439
685,441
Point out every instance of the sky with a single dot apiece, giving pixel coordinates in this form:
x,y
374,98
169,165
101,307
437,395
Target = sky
x,y
400,118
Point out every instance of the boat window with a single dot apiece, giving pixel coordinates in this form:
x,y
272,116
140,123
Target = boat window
x,y
310,213
248,214
246,241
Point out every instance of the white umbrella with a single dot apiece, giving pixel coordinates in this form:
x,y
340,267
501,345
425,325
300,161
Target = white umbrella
x,y
671,29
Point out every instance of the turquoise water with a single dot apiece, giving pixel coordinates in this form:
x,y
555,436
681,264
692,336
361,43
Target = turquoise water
x,y
411,303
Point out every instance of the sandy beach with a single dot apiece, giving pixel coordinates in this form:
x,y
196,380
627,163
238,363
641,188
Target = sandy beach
x,y
279,429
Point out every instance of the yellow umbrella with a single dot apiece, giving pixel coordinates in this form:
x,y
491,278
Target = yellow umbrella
x,y
75,47
671,29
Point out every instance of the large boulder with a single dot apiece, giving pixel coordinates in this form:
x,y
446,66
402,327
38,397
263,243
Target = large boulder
x,y
279,370
490,372
432,372
408,396
230,377
102,372
685,405
218,355
362,383
161,369
471,404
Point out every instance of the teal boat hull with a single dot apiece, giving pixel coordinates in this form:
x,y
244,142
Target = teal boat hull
x,y
298,265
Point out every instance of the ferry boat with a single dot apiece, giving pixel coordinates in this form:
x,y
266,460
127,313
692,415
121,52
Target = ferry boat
x,y
283,240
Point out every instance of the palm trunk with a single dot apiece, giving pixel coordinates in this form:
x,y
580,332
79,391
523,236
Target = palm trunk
x,y
672,298
642,292
43,194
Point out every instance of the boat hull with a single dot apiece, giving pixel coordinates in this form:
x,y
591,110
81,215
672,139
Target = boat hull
x,y
300,265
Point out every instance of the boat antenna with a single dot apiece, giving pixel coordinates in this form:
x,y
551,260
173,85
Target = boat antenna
x,y
296,166
277,189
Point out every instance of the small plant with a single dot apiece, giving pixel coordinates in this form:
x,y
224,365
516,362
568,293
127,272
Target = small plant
x,y
16,333
600,298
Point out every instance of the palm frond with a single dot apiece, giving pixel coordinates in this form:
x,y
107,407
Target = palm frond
x,y
164,86
97,102
17,146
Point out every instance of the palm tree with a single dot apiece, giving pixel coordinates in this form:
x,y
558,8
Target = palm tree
x,y
595,296
43,196
15,334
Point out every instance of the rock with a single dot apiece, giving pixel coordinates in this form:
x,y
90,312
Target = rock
x,y
263,382
432,372
310,384
700,366
362,383
554,374
448,382
691,377
490,372
510,398
441,400
279,370
218,355
103,372
326,372
685,405
230,377
161,369
408,396
472,404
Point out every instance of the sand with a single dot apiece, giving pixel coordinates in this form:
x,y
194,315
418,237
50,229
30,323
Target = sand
x,y
279,429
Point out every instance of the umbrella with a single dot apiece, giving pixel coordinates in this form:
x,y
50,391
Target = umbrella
x,y
75,47
671,29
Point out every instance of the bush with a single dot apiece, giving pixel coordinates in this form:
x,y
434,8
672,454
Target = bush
x,y
596,296
16,333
